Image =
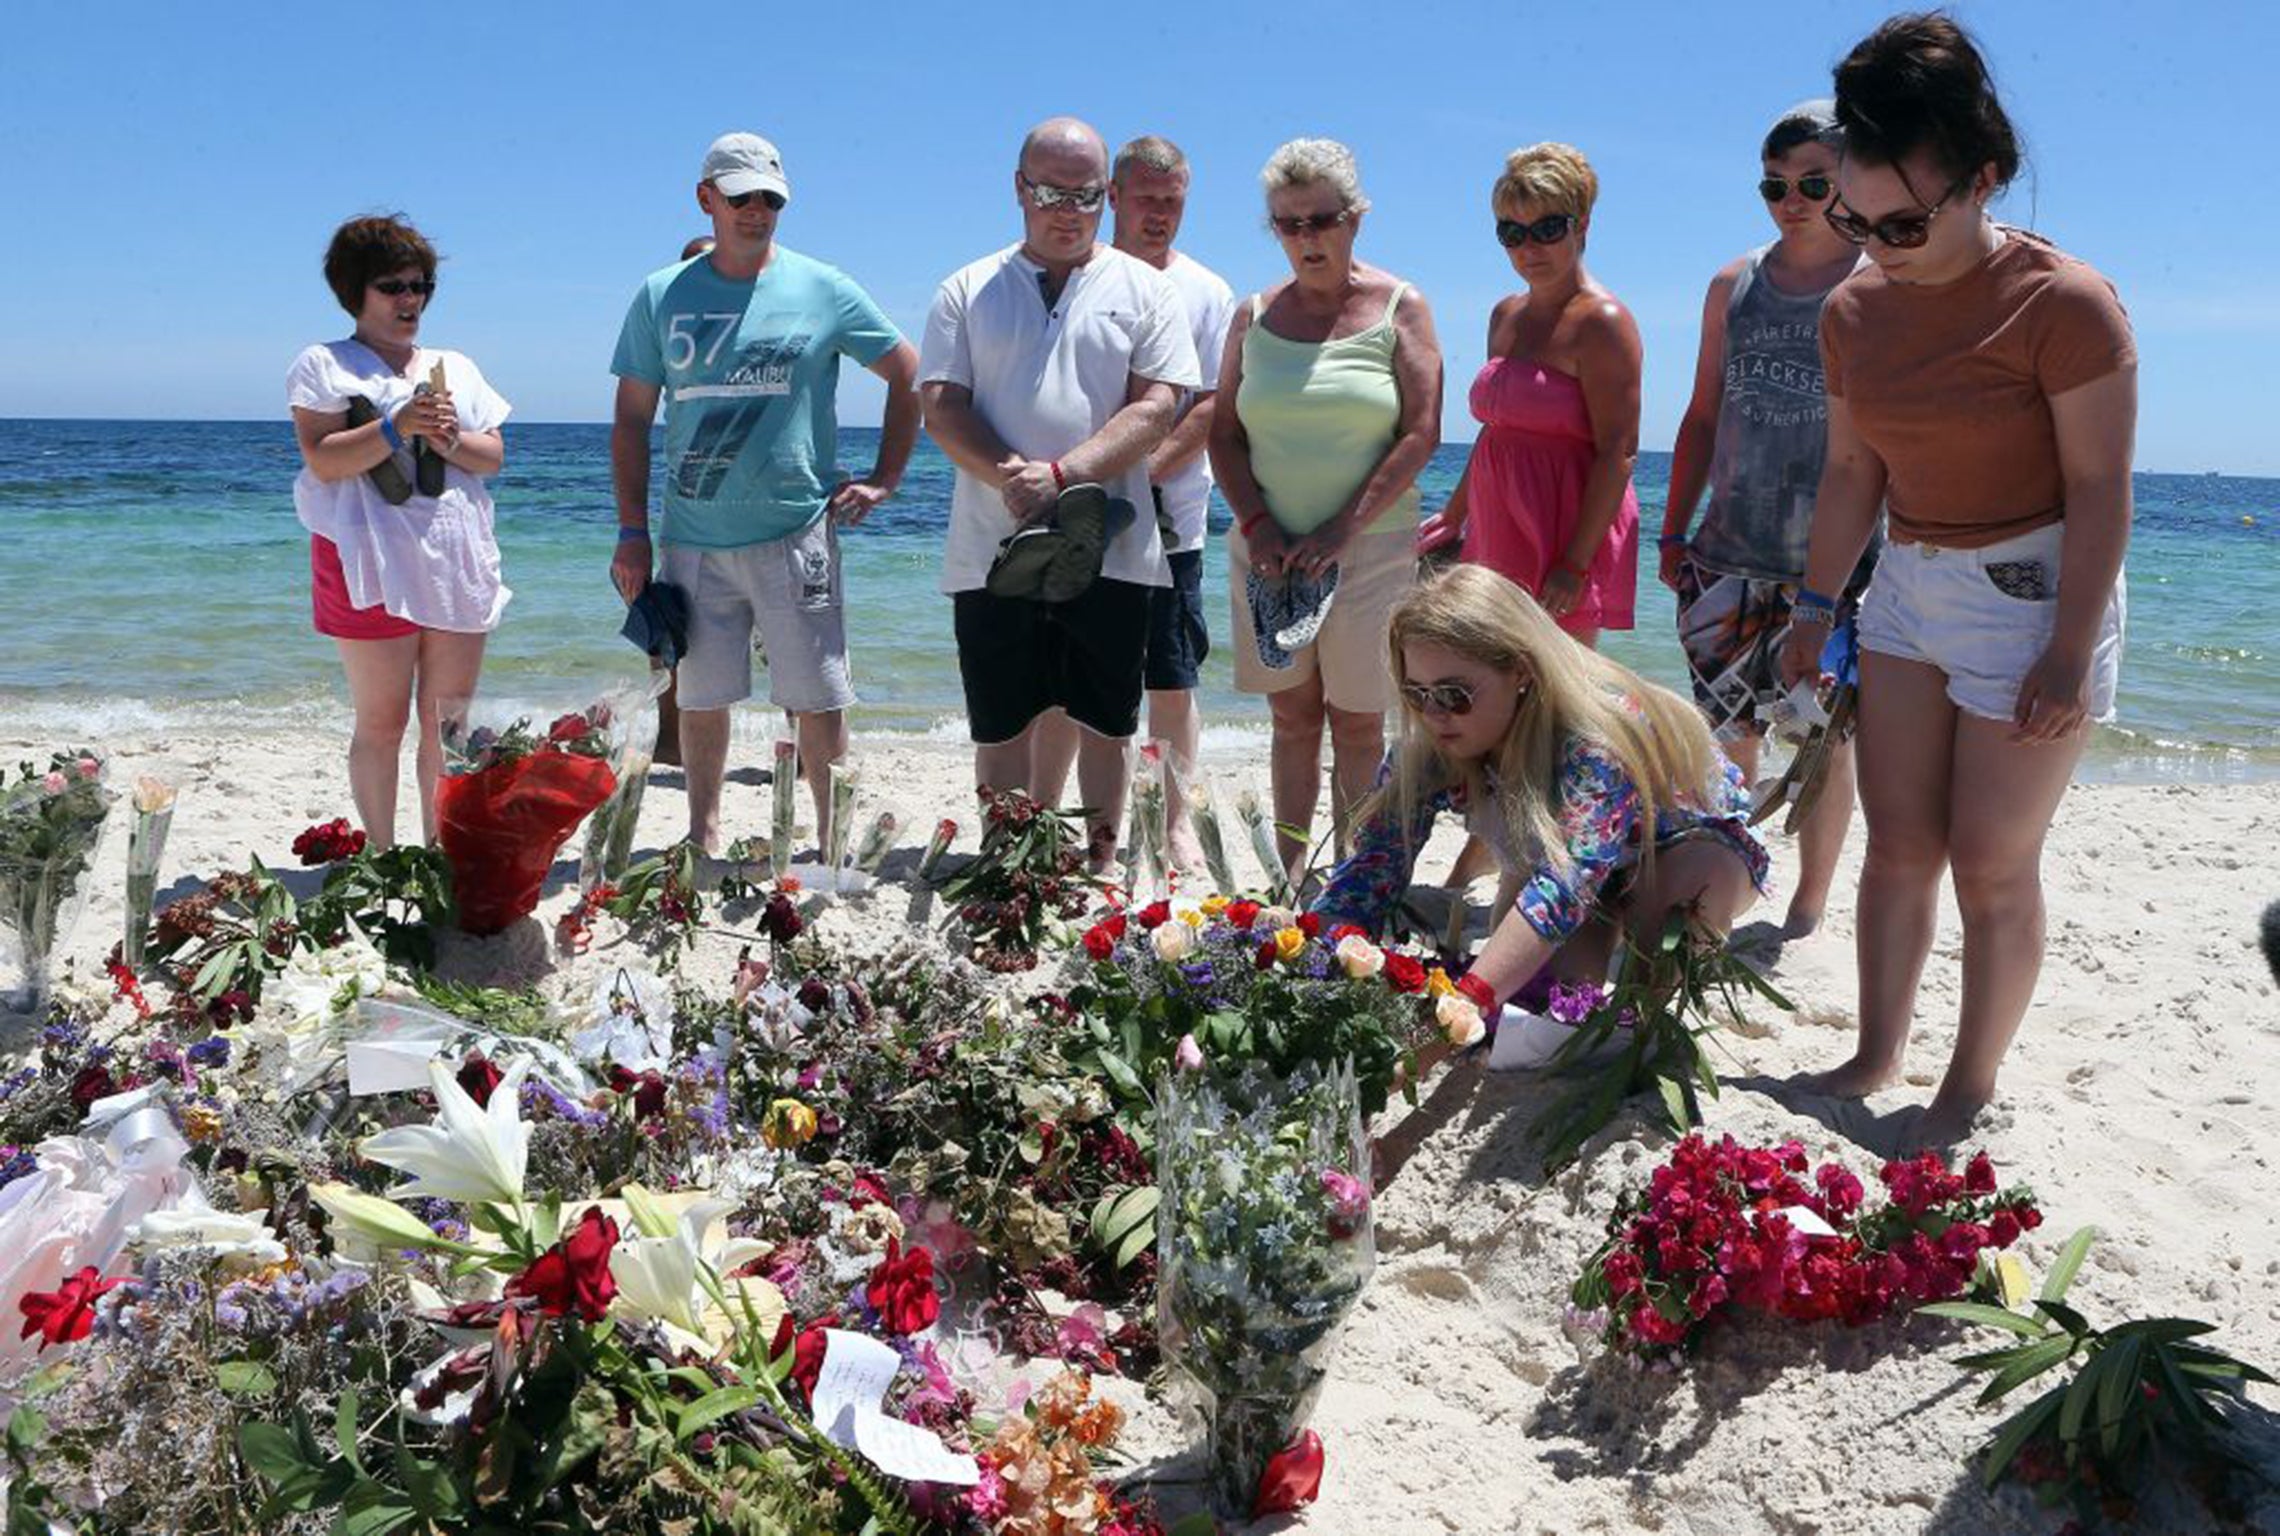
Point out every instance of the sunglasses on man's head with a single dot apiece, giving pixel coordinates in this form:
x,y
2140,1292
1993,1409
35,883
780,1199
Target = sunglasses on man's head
x,y
741,199
1551,229
1438,698
397,287
1083,199
1813,186
1296,224
1900,231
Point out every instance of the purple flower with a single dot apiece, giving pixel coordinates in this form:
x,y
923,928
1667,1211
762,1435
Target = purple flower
x,y
1573,1005
213,1051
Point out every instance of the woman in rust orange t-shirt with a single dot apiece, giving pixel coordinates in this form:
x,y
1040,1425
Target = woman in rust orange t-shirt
x,y
1983,387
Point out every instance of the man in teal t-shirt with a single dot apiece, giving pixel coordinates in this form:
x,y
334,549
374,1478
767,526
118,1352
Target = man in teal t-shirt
x,y
744,344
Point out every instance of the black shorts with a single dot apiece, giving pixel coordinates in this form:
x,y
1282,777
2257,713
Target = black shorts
x,y
1019,657
1178,637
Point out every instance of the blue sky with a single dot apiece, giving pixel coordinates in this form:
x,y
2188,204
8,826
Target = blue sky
x,y
172,173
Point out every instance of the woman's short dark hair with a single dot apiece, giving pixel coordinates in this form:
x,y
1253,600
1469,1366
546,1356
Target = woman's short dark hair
x,y
1919,83
369,248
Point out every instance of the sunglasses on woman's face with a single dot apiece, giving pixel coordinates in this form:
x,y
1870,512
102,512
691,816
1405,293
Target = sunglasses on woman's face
x,y
744,199
1551,229
1296,224
1813,186
1438,698
1900,231
1083,199
397,287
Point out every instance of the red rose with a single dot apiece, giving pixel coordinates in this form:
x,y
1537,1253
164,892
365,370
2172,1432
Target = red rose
x,y
478,1077
807,1345
649,1095
66,1314
1098,943
1293,1477
1345,931
92,1083
1155,914
568,729
1310,925
781,921
869,1189
1404,973
574,1274
1264,959
622,1079
901,1289
1242,913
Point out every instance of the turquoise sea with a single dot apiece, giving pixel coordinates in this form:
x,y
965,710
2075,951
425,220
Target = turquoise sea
x,y
156,580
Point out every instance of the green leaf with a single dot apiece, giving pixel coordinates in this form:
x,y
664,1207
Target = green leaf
x,y
245,1378
2083,1392
433,1492
1197,1524
346,1415
2118,1391
2032,1360
2065,1316
2068,1262
1674,1104
373,1509
270,1450
714,1406
2016,1432
1121,1074
1987,1316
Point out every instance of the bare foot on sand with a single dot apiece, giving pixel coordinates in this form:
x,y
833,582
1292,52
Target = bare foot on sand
x,y
1855,1079
1946,1122
1800,925
1185,853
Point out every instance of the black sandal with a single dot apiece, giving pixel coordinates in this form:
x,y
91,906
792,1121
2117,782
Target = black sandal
x,y
387,476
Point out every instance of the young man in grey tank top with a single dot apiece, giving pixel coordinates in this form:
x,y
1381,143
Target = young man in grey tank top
x,y
1754,437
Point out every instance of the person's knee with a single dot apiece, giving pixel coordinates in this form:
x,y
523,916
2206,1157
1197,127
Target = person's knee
x,y
1352,730
1994,878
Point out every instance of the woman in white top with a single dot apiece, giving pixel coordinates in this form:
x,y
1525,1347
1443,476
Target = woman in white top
x,y
403,562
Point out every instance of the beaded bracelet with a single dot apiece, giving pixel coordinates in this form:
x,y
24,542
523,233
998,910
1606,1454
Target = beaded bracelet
x,y
628,532
1668,539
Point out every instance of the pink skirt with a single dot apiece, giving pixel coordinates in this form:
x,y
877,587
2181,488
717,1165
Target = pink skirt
x,y
336,615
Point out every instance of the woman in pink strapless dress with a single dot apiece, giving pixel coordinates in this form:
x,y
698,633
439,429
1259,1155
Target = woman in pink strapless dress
x,y
1525,489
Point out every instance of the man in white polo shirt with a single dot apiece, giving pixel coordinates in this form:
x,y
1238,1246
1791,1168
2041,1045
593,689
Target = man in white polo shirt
x,y
1149,193
1052,363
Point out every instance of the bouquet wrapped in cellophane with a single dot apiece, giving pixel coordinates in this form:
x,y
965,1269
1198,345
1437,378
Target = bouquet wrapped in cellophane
x,y
51,822
1264,1242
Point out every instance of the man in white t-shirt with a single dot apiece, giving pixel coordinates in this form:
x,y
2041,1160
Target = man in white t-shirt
x,y
1149,193
1052,363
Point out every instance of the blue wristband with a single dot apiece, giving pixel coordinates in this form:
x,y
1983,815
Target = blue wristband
x,y
627,533
1808,598
388,431
1668,539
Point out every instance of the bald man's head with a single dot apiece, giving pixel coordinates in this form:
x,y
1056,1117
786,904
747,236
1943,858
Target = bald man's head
x,y
1065,143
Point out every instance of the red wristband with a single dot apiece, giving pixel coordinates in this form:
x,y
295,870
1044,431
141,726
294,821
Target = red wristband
x,y
1478,992
1249,526
1060,481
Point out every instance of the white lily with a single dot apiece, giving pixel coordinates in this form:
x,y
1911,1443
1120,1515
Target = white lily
x,y
367,1226
659,1276
239,1242
472,1153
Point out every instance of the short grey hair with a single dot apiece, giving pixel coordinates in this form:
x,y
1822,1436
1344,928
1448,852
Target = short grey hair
x,y
1151,153
1316,162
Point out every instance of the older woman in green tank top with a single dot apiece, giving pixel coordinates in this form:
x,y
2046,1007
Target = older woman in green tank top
x,y
1336,379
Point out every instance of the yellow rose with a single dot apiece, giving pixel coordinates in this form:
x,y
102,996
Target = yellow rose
x,y
1288,943
1437,983
1214,905
788,1123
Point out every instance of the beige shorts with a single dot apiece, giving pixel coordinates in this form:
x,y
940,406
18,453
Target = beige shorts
x,y
1349,654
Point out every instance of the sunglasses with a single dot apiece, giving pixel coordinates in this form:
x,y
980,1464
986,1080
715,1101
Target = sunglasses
x,y
1295,224
397,287
1083,199
1813,186
744,199
1438,698
1900,231
1551,229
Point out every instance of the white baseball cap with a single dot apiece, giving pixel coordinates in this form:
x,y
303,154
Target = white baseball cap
x,y
745,162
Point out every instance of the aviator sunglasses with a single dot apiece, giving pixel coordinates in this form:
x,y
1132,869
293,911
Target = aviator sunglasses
x,y
1296,224
1551,229
1438,698
397,287
1813,186
1900,231
1083,199
742,199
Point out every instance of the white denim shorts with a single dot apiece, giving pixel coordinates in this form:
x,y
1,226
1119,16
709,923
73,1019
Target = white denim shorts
x,y
789,589
1984,617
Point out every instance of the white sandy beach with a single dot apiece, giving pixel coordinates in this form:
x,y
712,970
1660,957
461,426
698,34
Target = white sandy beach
x,y
2136,1098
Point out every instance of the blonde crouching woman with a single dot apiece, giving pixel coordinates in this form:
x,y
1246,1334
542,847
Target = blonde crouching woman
x,y
1559,760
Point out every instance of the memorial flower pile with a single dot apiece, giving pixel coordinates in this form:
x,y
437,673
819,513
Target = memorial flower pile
x,y
1721,1225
